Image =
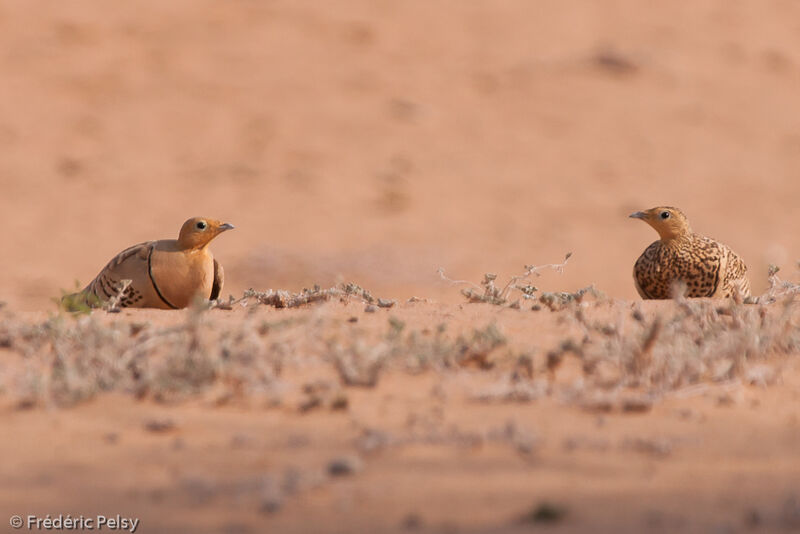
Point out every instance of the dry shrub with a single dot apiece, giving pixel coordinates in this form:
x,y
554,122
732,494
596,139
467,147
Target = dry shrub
x,y
630,362
359,360
65,361
285,299
488,292
698,341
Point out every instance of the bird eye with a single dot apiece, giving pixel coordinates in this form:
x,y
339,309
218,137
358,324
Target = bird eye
x,y
201,225
665,215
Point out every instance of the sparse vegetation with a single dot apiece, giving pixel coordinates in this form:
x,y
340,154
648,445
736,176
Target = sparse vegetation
x,y
490,293
285,299
626,362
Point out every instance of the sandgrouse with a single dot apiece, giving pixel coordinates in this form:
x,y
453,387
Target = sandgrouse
x,y
707,267
168,274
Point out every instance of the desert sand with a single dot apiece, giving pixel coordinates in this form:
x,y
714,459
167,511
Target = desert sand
x,y
376,142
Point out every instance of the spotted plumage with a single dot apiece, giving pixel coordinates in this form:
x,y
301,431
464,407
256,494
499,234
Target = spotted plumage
x,y
707,268
167,274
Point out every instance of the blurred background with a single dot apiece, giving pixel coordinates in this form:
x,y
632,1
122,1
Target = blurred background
x,y
375,141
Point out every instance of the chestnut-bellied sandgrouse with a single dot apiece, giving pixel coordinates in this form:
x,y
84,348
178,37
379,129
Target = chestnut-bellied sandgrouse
x,y
707,268
169,274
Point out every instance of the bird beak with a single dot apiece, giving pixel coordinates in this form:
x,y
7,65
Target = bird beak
x,y
226,226
638,215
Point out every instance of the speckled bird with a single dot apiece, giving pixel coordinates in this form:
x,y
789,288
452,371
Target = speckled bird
x,y
707,267
167,274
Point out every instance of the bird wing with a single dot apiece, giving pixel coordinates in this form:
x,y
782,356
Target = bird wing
x,y
703,266
219,280
132,264
123,266
735,276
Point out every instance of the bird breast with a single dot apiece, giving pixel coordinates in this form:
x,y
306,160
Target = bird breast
x,y
181,275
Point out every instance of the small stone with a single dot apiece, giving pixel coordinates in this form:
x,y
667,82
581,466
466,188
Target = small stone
x,y
726,399
345,466
637,405
340,402
752,518
271,497
270,506
369,308
135,328
545,512
411,522
160,426
598,405
310,403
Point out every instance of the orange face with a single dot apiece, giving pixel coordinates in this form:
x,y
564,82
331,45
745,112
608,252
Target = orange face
x,y
198,232
668,222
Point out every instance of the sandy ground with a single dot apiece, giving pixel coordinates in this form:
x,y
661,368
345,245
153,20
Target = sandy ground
x,y
428,451
375,142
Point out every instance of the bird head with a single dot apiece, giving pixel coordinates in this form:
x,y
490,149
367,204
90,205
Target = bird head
x,y
198,232
670,223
